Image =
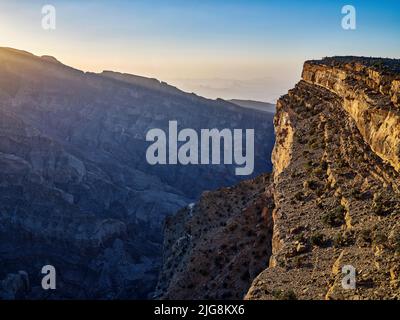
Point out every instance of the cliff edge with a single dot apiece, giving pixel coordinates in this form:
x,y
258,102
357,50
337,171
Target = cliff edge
x,y
334,189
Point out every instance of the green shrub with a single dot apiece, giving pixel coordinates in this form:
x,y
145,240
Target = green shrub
x,y
311,184
299,196
339,240
334,218
284,295
317,239
379,210
356,194
366,236
308,165
319,172
380,238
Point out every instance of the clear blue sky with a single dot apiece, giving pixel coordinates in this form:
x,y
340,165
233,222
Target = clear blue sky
x,y
244,49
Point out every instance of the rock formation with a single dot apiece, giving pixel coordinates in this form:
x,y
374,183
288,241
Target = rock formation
x,y
334,190
213,249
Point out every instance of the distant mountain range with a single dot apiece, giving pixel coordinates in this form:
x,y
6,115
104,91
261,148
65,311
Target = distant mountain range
x,y
76,191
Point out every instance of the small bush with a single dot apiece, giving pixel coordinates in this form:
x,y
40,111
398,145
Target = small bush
x,y
311,184
317,239
308,165
378,197
298,262
299,196
319,172
335,218
300,238
356,194
232,227
380,238
379,210
366,236
339,240
284,295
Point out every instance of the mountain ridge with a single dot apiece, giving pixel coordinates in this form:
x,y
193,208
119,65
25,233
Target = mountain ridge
x,y
334,190
76,189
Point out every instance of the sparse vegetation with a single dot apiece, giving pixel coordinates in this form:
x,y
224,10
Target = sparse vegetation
x,y
284,295
366,236
308,165
299,196
298,261
341,240
335,218
356,194
380,239
317,239
319,172
311,184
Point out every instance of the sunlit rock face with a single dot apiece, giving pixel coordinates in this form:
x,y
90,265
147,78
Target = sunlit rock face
x,y
76,191
370,95
332,202
336,184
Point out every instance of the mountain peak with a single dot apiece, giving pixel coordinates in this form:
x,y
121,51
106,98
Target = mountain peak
x,y
50,59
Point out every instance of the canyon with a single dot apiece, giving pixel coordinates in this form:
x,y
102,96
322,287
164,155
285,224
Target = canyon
x,y
332,201
76,191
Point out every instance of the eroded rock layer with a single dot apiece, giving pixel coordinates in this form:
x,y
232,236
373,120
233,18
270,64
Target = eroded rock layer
x,y
336,184
335,192
213,250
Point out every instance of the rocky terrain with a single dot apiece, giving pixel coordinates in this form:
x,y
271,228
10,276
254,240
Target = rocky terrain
x,y
214,248
334,191
76,191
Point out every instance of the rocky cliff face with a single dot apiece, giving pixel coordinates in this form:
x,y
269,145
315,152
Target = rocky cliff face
x,y
213,249
335,187
76,191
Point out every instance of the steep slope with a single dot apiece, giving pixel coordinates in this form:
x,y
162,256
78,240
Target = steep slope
x,y
212,250
76,189
336,185
335,189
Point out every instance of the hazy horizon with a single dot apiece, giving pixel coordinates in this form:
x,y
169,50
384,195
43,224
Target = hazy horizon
x,y
251,50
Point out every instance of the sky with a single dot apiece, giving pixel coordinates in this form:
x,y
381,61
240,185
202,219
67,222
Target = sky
x,y
245,49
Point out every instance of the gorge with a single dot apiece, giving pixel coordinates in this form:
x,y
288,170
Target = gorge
x,y
332,201
76,191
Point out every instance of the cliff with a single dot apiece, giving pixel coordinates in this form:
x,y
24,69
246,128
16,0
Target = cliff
x,y
213,249
335,186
